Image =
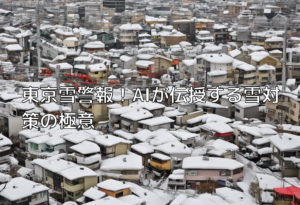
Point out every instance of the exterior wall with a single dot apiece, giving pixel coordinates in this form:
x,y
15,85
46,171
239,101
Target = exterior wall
x,y
131,177
113,194
165,165
93,50
174,40
251,112
90,182
121,149
101,75
213,175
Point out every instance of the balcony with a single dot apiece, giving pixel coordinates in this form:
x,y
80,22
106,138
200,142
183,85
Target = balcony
x,y
269,46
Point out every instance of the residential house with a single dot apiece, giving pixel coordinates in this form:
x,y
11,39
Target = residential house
x,y
77,180
266,75
176,180
86,154
98,71
204,24
152,66
122,168
200,169
113,188
75,138
129,120
92,194
112,146
150,20
171,38
246,110
218,67
50,171
286,195
71,43
262,58
220,34
157,123
285,152
143,150
129,33
94,47
186,138
204,36
20,190
217,130
273,43
5,149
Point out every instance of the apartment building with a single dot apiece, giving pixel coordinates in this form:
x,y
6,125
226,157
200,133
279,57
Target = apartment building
x,y
293,64
286,111
129,33
150,20
220,33
218,67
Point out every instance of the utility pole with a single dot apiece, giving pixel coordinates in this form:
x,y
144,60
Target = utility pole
x,y
65,13
283,61
38,41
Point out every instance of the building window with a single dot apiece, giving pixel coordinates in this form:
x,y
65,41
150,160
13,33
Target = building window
x,y
237,171
294,105
34,146
119,194
22,199
192,173
237,110
74,182
225,172
129,172
292,112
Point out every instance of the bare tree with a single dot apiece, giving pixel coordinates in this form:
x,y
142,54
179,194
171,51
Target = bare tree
x,y
255,191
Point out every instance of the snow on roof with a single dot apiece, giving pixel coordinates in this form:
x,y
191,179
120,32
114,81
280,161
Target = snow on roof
x,y
235,53
130,26
243,104
255,131
266,126
6,178
23,171
107,201
86,147
246,67
268,182
276,51
189,62
62,66
211,163
258,56
144,63
219,127
110,140
113,185
132,200
265,150
14,47
19,188
207,199
55,166
210,104
123,134
216,58
122,162
155,197
217,73
94,193
208,118
8,40
94,44
78,172
4,141
161,156
138,114
149,105
220,144
53,107
71,39
163,137
142,148
274,39
97,67
255,48
179,199
144,135
77,137
291,81
126,58
173,113
7,96
156,121
266,67
261,141
174,147
233,196
286,142
183,135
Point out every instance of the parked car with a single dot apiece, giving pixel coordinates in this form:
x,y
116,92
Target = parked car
x,y
224,183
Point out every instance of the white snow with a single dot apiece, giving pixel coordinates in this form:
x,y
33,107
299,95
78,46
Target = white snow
x,y
161,156
157,121
110,140
86,147
219,127
122,162
113,185
94,193
77,172
212,163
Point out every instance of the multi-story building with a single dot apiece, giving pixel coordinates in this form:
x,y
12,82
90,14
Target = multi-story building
x,y
221,34
129,33
119,5
293,64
